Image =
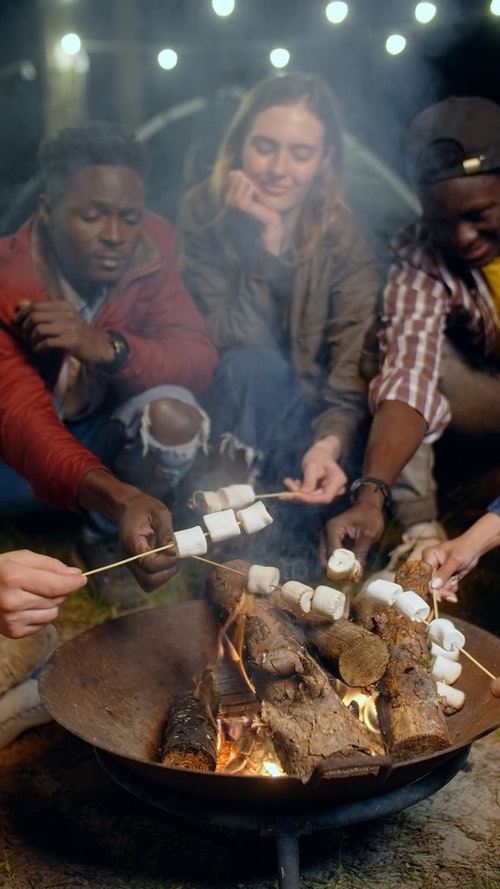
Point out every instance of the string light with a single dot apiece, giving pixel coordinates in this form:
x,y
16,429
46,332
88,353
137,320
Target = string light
x,y
279,57
167,59
425,12
336,12
395,44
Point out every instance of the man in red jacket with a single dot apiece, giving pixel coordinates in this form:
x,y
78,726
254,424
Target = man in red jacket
x,y
102,353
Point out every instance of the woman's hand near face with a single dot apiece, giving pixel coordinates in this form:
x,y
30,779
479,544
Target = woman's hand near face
x,y
243,195
323,477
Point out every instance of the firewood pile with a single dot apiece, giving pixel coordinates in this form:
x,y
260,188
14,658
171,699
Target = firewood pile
x,y
278,691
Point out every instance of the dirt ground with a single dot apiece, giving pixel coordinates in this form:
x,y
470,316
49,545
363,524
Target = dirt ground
x,y
65,823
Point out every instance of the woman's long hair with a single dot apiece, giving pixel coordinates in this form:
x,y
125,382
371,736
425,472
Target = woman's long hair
x,y
318,209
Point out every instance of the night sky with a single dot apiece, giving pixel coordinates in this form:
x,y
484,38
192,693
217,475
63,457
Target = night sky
x,y
378,94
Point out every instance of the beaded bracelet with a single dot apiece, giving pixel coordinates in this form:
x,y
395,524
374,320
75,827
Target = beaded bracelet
x,y
383,487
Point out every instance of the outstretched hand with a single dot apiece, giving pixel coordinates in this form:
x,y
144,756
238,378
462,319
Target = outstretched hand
x,y
146,524
32,588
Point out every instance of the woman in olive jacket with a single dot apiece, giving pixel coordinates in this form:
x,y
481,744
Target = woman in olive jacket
x,y
288,286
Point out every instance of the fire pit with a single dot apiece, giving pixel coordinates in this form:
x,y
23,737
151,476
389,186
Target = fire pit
x,y
112,685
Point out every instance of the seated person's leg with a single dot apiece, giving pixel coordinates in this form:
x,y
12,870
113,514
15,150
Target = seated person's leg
x,y
258,415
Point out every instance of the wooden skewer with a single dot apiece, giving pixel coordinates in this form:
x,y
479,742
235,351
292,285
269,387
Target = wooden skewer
x,y
481,667
150,552
435,604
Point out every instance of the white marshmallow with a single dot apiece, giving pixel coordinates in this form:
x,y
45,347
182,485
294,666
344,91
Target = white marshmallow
x,y
444,633
343,565
236,496
295,593
190,542
446,670
222,525
382,591
262,579
328,601
208,501
453,697
254,518
436,651
411,605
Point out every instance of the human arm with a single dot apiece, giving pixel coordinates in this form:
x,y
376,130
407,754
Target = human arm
x,y
396,432
144,524
228,273
453,559
32,588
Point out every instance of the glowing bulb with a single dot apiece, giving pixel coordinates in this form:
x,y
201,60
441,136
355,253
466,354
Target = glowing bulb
x,y
395,44
336,12
71,44
495,7
279,57
223,7
425,12
167,59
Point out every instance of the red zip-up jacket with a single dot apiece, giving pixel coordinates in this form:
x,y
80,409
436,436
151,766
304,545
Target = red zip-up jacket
x,y
150,306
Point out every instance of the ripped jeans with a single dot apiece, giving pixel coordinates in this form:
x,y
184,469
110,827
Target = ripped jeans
x,y
122,440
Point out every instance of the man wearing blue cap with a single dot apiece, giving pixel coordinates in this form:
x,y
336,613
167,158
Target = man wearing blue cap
x,y
439,333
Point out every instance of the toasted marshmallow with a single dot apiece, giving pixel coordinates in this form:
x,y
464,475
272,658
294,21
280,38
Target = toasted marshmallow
x,y
343,565
297,594
328,601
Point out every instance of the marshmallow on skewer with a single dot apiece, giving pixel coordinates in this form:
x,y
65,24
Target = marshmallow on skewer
x,y
254,518
446,670
452,698
382,591
343,565
236,496
295,593
190,542
262,579
328,601
444,633
222,525
437,651
411,605
208,501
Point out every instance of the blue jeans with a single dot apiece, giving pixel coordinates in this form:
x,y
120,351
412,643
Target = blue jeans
x,y
120,436
256,407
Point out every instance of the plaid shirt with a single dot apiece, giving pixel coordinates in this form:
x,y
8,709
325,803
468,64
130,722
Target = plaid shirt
x,y
424,300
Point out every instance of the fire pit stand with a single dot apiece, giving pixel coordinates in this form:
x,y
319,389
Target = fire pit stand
x,y
285,828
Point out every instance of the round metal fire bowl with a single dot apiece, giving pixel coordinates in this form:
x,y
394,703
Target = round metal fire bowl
x,y
112,685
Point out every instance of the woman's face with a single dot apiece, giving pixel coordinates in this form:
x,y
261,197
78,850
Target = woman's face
x,y
282,154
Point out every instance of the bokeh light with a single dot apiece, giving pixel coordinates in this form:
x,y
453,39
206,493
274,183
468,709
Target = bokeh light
x,y
167,59
395,44
336,12
71,44
223,7
425,12
279,57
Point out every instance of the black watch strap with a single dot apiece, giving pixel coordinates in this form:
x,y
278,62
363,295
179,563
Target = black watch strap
x,y
383,487
122,353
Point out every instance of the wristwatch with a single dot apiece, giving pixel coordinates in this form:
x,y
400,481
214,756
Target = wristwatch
x,y
122,353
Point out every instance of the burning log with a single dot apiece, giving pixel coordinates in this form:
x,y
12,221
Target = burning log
x,y
359,656
190,735
307,719
410,715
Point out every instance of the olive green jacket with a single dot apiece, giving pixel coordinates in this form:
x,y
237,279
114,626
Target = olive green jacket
x,y
318,309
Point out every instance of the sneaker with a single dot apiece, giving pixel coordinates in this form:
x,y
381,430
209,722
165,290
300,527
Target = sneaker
x,y
414,540
19,658
117,586
20,710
